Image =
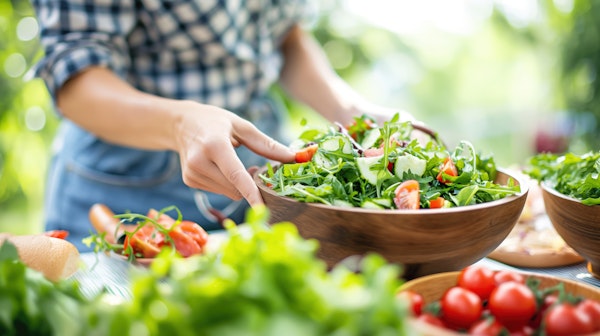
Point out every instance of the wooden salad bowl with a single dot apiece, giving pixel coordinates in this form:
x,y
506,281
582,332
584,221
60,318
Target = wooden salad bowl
x,y
578,224
424,241
432,287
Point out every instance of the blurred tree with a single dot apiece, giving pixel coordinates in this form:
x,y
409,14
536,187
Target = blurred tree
x,y
26,123
571,30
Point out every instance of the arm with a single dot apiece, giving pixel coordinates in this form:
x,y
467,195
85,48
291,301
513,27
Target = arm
x,y
203,135
308,77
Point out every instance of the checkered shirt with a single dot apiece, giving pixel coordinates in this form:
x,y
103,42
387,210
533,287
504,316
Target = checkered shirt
x,y
218,52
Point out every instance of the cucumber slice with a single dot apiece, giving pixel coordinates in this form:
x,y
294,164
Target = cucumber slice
x,y
342,203
365,164
322,160
370,138
336,143
408,162
368,204
383,202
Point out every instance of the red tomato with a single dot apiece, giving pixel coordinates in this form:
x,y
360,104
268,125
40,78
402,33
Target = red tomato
x,y
164,219
479,280
524,330
487,327
448,168
513,304
566,319
431,319
549,300
437,203
414,299
184,244
198,234
460,307
407,195
145,242
506,276
592,309
305,154
61,234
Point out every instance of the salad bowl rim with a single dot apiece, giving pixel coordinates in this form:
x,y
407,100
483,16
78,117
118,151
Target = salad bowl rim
x,y
524,189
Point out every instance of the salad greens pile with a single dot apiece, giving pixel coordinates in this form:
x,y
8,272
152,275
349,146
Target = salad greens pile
x,y
576,176
362,165
32,305
265,280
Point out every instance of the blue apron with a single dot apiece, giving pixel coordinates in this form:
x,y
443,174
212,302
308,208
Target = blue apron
x,y
86,170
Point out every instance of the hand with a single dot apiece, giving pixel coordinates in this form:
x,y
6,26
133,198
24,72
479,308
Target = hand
x,y
206,138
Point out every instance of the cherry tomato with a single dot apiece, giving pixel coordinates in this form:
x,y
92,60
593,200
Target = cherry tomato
x,y
513,304
437,203
431,319
146,241
460,307
164,219
414,299
61,234
448,168
549,300
407,195
187,237
479,280
566,319
592,309
198,234
305,154
506,276
487,327
523,330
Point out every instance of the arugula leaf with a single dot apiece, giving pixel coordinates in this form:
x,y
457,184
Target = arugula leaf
x,y
576,176
333,176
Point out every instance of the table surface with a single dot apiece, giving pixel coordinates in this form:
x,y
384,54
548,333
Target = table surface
x,y
101,272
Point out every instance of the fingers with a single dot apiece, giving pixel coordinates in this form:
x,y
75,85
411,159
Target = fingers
x,y
235,173
250,136
216,168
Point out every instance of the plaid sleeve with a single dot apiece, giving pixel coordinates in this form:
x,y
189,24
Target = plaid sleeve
x,y
77,34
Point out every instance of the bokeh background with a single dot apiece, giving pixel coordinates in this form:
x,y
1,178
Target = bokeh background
x,y
514,77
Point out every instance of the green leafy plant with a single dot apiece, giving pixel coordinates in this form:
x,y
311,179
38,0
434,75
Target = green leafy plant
x,y
574,175
262,280
32,305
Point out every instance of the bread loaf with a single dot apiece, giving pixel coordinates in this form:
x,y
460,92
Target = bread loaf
x,y
55,258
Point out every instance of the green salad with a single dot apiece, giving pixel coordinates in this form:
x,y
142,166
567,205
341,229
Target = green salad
x,y
573,175
364,165
264,280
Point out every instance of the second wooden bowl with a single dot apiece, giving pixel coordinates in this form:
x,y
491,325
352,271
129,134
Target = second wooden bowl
x,y
578,224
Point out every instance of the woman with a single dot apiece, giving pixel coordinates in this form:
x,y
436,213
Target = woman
x,y
166,102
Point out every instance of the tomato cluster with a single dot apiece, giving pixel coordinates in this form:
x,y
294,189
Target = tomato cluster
x,y
490,302
187,237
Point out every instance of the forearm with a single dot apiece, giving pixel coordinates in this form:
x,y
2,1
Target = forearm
x,y
308,77
102,103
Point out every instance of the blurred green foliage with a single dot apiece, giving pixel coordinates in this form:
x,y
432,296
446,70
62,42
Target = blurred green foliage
x,y
26,122
495,86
